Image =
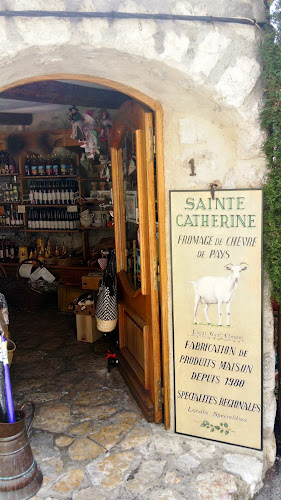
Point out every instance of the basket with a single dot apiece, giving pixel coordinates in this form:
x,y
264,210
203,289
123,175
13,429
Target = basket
x,y
11,349
106,326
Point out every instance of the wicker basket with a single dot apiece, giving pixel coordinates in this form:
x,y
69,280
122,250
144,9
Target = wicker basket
x,y
106,326
11,349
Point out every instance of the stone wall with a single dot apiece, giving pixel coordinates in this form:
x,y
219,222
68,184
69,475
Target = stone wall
x,y
206,77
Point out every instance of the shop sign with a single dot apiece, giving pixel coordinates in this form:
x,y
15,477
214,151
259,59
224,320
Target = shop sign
x,y
216,248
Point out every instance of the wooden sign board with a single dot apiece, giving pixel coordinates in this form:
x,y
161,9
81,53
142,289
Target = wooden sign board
x,y
216,247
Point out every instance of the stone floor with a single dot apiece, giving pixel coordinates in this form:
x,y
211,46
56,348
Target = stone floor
x,y
89,437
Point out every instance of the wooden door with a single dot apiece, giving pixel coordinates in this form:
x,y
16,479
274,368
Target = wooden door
x,y
132,155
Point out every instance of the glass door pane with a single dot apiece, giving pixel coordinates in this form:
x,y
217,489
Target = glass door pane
x,y
128,146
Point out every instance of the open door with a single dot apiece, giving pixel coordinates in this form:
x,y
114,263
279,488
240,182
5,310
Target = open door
x,y
132,156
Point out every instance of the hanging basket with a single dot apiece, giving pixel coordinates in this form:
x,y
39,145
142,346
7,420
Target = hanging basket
x,y
106,326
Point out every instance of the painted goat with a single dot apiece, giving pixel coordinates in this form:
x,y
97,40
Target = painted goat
x,y
217,290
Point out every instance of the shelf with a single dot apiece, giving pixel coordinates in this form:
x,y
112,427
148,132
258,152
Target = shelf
x,y
93,179
93,228
10,202
11,227
51,230
38,177
88,202
9,175
53,205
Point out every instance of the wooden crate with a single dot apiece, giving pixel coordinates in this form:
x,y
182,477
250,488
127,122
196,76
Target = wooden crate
x,y
87,328
66,296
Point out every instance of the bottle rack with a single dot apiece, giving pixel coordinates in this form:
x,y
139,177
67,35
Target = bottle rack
x,y
25,207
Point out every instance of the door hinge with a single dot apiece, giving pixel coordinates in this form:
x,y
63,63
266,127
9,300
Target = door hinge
x,y
160,397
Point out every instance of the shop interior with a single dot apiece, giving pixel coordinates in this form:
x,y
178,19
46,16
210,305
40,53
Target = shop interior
x,y
57,220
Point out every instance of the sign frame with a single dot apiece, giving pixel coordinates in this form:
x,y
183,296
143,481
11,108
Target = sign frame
x,y
217,191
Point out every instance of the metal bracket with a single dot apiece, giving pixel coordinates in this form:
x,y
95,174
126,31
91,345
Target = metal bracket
x,y
212,188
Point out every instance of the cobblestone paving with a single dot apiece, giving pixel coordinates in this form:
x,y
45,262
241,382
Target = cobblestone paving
x,y
89,437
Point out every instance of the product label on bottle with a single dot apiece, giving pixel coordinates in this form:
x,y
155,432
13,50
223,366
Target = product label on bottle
x,y
41,170
34,169
55,170
63,168
49,170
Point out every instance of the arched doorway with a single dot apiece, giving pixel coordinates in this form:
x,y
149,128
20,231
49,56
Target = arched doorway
x,y
156,108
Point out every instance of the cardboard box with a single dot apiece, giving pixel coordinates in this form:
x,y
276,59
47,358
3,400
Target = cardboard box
x,y
92,282
85,310
87,328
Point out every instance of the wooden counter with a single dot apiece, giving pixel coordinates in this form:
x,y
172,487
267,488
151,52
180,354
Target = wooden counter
x,y
68,275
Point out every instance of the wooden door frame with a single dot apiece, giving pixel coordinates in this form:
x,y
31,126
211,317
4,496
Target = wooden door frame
x,y
155,106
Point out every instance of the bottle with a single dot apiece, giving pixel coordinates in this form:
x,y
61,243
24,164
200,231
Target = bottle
x,y
71,221
55,220
13,216
27,166
31,194
49,167
56,251
41,222
59,220
49,194
40,194
54,194
64,166
12,165
62,218
67,194
71,167
58,194
15,192
47,219
36,193
67,221
8,219
30,219
36,220
56,167
34,168
1,249
63,250
44,195
12,251
71,194
41,166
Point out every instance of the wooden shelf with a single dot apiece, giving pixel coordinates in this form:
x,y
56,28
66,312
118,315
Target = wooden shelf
x,y
10,202
93,179
11,227
38,177
51,230
29,205
92,202
10,175
93,228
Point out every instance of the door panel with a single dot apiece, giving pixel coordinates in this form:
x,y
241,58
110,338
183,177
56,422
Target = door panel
x,y
136,255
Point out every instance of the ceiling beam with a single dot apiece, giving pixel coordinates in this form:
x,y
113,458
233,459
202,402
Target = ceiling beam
x,y
54,92
16,118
